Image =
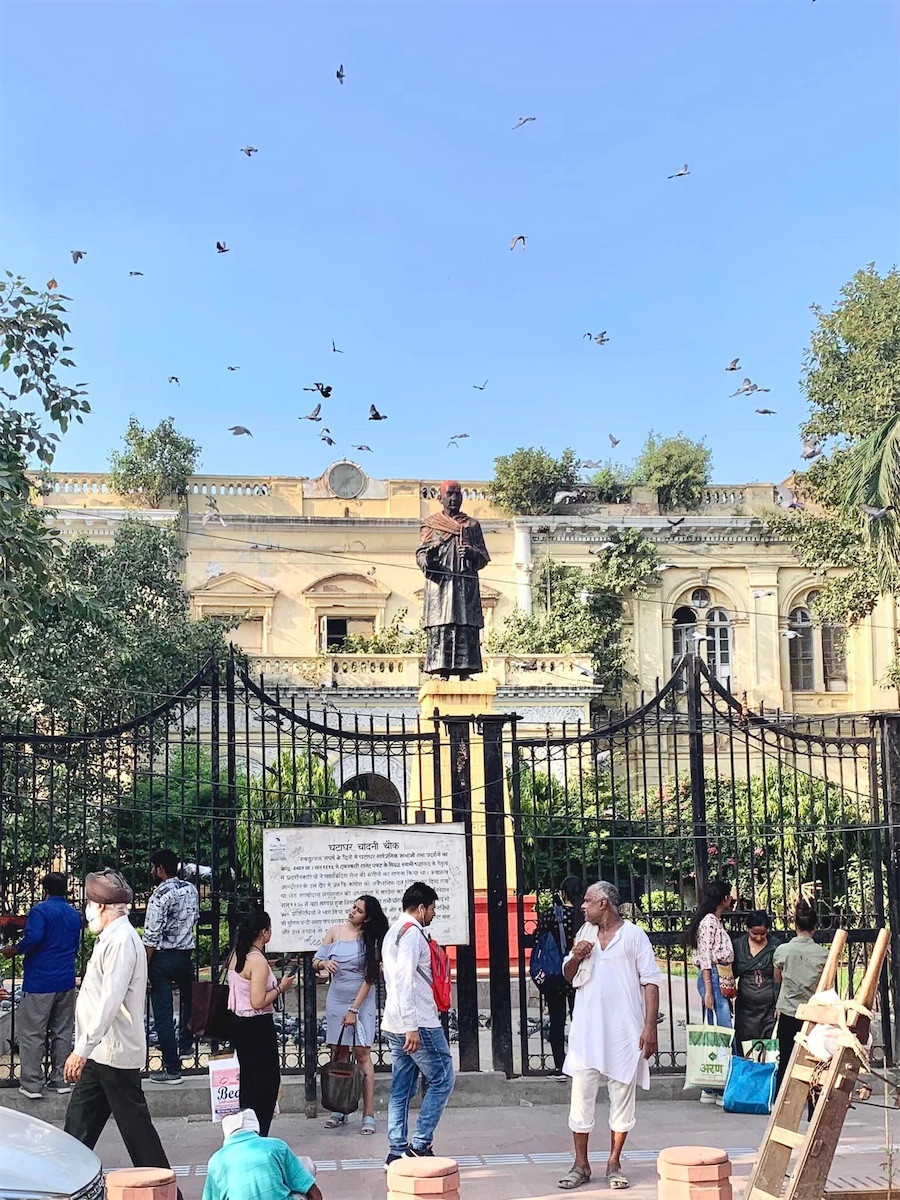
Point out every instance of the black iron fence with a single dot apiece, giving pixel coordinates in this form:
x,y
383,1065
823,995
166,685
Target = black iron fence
x,y
688,786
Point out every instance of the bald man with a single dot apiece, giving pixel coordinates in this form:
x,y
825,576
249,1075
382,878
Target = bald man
x,y
451,553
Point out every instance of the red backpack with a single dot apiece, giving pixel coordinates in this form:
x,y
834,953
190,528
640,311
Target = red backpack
x,y
440,969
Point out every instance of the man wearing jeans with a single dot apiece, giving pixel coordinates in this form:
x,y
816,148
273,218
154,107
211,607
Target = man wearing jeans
x,y
413,1028
172,912
47,1009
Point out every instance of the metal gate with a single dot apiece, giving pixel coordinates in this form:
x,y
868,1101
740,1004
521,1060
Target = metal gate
x,y
691,786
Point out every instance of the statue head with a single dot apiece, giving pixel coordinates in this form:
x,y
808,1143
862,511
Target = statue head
x,y
450,494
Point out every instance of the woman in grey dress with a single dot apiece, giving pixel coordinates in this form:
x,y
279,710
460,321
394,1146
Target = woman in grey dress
x,y
350,955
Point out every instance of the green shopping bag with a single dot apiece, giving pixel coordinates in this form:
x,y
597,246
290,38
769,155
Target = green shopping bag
x,y
708,1056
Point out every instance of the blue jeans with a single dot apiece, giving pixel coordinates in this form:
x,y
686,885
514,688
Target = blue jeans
x,y
721,1014
433,1060
168,967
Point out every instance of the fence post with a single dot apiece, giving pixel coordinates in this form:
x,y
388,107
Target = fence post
x,y
230,817
890,783
497,891
215,717
698,777
459,746
310,1036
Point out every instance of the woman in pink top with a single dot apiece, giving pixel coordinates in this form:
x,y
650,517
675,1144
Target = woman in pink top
x,y
713,956
252,992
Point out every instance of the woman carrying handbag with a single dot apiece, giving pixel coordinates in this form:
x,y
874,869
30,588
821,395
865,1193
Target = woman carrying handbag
x,y
713,956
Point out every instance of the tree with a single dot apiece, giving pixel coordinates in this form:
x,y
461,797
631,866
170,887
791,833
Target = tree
x,y
851,378
33,338
580,612
156,463
526,481
612,483
677,468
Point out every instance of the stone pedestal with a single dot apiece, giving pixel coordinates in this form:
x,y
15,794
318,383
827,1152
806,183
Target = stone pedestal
x,y
435,1178
141,1183
694,1173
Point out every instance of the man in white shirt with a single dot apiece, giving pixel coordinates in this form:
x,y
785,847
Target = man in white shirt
x,y
110,1043
616,979
412,1026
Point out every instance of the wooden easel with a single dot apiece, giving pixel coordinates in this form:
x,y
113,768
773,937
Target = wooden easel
x,y
817,1146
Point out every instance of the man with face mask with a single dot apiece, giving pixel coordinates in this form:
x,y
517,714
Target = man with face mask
x,y
110,1043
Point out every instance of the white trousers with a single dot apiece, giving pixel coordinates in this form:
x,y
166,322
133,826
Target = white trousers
x,y
622,1096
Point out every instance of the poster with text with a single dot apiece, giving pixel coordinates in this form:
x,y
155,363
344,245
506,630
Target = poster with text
x,y
311,876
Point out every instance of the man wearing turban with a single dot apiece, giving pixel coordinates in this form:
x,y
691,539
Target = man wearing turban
x,y
451,553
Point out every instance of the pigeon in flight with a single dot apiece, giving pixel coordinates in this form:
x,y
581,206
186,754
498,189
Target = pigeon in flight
x,y
613,441
240,431
785,498
77,256
701,637
761,593
324,389
601,548
873,512
232,368
734,365
790,634
375,415
174,379
767,412
566,497
523,121
314,415
212,512
221,248
678,174
334,349
516,240
586,335
369,448
340,75
133,273
674,523
329,441
811,449
248,150
601,339
589,464
745,389
51,284
481,387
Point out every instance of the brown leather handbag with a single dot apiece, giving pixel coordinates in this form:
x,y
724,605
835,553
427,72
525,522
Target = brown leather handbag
x,y
342,1082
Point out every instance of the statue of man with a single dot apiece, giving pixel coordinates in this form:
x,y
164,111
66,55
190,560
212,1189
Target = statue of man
x,y
451,553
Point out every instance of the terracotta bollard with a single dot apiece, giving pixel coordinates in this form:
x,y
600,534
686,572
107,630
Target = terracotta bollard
x,y
141,1183
434,1178
694,1173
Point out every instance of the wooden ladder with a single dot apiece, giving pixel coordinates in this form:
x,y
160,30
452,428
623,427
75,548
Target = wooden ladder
x,y
817,1145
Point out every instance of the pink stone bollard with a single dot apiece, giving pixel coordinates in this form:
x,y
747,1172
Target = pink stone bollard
x,y
141,1183
433,1178
694,1173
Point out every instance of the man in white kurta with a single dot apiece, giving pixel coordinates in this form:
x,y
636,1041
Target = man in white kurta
x,y
613,1035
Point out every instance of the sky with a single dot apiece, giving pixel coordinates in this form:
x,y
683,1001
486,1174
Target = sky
x,y
379,214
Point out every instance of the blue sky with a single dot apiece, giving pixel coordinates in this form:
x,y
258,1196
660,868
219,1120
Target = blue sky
x,y
380,214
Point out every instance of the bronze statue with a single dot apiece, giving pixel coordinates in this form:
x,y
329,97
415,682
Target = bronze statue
x,y
451,553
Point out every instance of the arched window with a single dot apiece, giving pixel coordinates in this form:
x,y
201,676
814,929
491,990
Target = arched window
x,y
802,658
718,647
684,625
700,598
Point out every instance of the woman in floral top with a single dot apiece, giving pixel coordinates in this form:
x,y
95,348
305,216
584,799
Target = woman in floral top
x,y
712,947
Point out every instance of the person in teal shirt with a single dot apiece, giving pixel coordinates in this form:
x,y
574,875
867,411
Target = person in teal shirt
x,y
250,1167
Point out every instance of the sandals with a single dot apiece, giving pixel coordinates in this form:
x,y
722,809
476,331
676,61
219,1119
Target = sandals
x,y
367,1126
574,1178
617,1179
336,1120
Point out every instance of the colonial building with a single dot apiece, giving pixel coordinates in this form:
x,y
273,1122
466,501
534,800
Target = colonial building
x,y
306,562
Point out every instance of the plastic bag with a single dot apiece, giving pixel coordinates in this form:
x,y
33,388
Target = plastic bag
x,y
708,1056
224,1086
750,1087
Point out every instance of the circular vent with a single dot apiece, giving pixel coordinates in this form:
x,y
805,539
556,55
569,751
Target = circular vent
x,y
346,480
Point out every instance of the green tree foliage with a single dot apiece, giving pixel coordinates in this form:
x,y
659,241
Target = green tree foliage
x,y
35,408
579,611
676,468
851,379
612,482
395,638
526,481
155,463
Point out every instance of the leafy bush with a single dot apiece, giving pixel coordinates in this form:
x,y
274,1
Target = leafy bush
x,y
526,481
676,468
155,463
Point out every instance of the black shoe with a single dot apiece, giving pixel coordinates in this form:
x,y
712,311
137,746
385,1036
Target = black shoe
x,y
392,1157
414,1152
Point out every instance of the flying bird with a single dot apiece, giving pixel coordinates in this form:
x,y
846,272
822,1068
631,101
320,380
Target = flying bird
x,y
523,121
734,365
516,240
212,512
324,389
375,415
328,440
586,335
314,415
232,368
248,150
785,498
701,637
240,431
678,174
761,593
811,449
339,75
588,464
77,256
334,349
51,284
133,273
458,437
481,387
221,248
601,339
745,389
613,441
174,379
767,412
790,634
873,512
673,523
566,497
369,448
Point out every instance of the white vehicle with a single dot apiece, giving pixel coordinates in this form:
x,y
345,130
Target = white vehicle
x,y
40,1162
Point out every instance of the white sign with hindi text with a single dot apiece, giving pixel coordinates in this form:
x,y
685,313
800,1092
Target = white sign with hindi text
x,y
312,874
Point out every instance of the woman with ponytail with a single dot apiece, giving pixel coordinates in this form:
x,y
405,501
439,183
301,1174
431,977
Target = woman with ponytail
x,y
798,965
252,992
713,956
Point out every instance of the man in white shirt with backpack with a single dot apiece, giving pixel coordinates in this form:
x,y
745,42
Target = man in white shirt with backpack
x,y
412,1025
